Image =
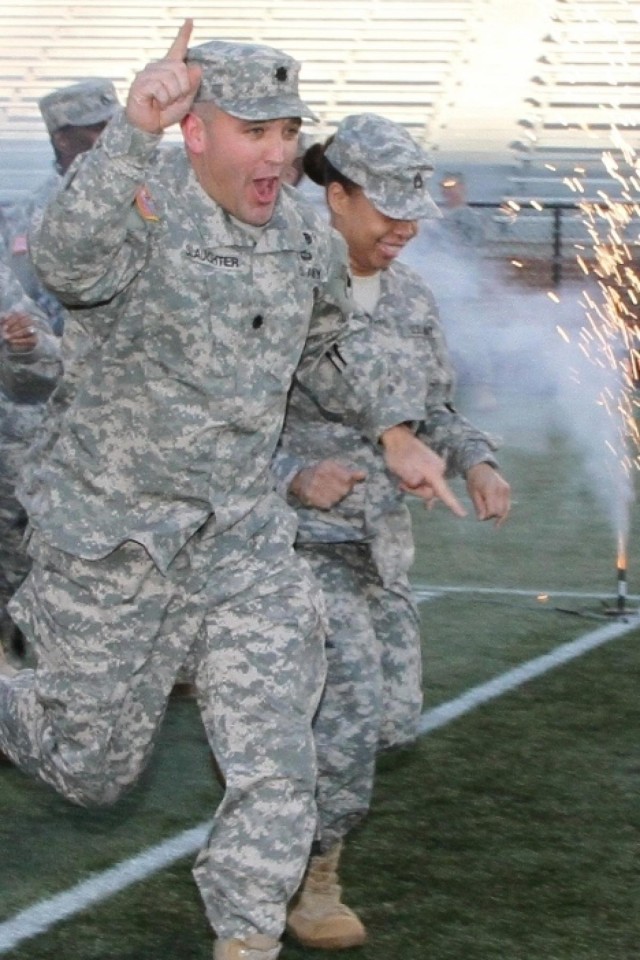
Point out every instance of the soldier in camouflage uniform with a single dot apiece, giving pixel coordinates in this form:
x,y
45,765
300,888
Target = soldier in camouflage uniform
x,y
355,528
29,368
463,223
75,116
157,538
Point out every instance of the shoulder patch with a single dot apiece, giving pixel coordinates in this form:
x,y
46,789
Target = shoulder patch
x,y
20,244
145,205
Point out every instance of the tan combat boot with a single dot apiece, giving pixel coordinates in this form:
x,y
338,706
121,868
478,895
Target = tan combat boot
x,y
318,918
256,947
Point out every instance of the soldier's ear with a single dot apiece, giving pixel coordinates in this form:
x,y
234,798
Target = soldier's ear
x,y
337,198
193,133
59,140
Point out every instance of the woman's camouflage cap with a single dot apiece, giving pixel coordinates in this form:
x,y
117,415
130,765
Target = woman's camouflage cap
x,y
383,158
79,105
249,81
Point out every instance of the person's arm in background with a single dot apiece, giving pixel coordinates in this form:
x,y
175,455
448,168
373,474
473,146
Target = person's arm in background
x,y
30,364
467,451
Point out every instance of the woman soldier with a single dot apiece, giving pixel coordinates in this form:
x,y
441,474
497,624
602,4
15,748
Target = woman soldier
x,y
355,528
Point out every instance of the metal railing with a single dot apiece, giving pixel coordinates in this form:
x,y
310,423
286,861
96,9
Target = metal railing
x,y
552,238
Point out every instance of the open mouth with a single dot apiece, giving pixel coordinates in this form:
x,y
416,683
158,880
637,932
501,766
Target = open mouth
x,y
266,189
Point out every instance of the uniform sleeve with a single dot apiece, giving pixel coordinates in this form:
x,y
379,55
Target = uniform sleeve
x,y
26,376
341,370
17,225
31,376
12,296
82,248
458,442
441,427
284,467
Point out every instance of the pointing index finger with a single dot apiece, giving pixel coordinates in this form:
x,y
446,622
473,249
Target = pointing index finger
x,y
444,493
179,47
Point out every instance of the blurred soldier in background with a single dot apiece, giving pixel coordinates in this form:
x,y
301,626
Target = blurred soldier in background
x,y
295,172
463,223
449,255
29,367
74,116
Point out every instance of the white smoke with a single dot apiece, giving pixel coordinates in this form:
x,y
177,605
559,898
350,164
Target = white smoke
x,y
543,356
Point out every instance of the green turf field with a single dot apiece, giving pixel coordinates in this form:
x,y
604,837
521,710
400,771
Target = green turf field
x,y
510,833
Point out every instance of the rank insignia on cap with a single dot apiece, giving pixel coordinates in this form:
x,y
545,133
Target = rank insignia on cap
x,y
282,73
20,245
145,205
418,182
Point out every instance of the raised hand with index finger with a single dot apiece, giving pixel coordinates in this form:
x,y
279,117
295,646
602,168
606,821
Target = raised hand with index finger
x,y
163,92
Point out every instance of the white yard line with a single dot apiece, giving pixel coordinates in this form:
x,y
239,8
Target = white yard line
x,y
42,916
446,712
424,591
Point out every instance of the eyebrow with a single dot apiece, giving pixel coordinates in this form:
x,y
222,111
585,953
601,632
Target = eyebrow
x,y
293,120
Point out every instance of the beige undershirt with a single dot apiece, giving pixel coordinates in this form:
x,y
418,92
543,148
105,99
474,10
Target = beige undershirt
x,y
366,291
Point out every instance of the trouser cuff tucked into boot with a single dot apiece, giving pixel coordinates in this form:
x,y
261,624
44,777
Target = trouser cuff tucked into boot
x,y
317,917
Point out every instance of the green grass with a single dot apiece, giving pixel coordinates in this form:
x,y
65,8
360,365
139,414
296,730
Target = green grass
x,y
510,834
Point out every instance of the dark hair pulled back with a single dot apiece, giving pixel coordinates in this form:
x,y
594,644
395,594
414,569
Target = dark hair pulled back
x,y
321,171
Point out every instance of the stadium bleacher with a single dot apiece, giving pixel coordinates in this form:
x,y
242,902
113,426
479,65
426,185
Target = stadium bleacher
x,y
398,57
413,60
585,84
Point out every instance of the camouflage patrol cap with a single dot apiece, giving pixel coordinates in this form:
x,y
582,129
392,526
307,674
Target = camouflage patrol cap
x,y
79,105
248,80
384,159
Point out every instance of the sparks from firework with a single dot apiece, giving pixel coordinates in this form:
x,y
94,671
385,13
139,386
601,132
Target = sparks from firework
x,y
607,347
609,338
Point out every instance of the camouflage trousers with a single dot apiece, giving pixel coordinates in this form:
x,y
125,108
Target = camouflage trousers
x,y
373,694
18,424
110,637
14,562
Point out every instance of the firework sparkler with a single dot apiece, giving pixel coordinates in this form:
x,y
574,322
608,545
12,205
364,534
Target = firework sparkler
x,y
613,326
609,339
621,596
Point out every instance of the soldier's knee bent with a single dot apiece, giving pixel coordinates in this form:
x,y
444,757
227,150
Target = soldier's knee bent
x,y
89,794
88,785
